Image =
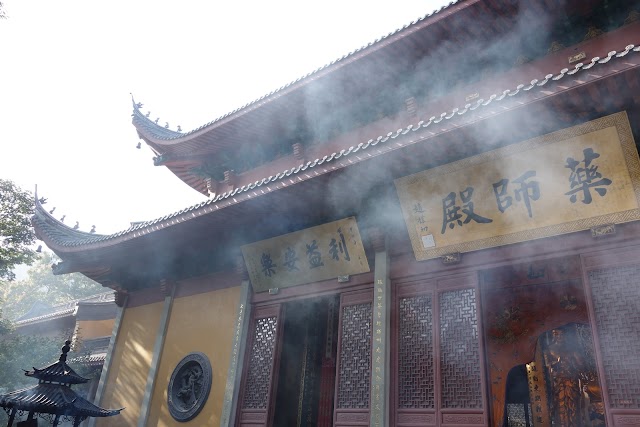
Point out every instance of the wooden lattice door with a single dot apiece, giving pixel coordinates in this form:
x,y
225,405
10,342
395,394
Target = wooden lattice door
x,y
353,378
437,359
258,385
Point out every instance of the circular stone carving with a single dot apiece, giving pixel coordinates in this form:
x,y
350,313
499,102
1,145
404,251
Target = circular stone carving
x,y
189,386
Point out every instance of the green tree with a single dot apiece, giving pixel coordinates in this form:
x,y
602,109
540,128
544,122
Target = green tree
x,y
14,349
42,285
16,233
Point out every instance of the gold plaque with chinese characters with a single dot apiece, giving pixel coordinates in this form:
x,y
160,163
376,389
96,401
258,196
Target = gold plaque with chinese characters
x,y
570,180
318,253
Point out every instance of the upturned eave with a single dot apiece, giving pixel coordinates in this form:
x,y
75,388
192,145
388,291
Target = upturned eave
x,y
549,87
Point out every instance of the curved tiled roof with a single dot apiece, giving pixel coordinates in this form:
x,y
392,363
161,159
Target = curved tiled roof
x,y
60,311
66,309
53,399
56,230
154,128
59,371
64,237
162,133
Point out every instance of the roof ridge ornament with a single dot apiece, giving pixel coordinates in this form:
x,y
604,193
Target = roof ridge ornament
x,y
65,349
152,126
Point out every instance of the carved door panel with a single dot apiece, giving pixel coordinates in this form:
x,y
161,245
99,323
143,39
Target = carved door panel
x,y
460,368
259,381
353,379
414,357
436,358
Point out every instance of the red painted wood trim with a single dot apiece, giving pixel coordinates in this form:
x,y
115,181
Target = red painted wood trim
x,y
144,297
208,283
325,287
404,265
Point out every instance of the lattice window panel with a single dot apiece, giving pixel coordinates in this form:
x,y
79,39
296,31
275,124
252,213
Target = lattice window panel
x,y
616,301
355,357
415,353
459,352
260,364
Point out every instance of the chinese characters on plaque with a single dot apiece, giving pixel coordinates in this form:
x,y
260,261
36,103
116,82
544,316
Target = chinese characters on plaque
x,y
318,253
570,180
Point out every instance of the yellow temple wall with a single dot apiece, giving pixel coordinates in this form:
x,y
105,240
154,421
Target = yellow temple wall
x,y
130,364
203,322
88,329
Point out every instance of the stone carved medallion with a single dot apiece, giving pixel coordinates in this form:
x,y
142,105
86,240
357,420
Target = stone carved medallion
x,y
189,386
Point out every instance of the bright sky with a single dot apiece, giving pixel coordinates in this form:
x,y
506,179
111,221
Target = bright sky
x,y
67,68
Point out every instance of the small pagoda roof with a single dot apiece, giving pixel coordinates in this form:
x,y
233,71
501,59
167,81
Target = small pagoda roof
x,y
59,371
53,399
53,395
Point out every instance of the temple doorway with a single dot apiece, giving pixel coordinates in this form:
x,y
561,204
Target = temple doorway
x,y
306,375
541,363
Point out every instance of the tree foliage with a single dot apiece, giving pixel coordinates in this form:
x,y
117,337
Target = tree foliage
x,y
16,232
22,352
42,285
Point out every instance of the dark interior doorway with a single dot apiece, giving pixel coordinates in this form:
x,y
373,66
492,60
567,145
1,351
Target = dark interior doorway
x,y
306,378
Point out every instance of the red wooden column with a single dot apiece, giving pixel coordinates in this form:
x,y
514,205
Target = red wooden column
x,y
328,370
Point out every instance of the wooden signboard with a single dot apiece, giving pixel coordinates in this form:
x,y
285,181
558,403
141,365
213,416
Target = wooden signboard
x,y
318,253
566,181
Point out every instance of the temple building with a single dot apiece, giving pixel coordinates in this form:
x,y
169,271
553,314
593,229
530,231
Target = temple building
x,y
87,321
438,229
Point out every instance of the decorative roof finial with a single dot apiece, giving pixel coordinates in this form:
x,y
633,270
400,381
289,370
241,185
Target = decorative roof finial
x,y
75,227
52,211
166,125
42,200
65,349
63,217
148,114
139,146
93,229
179,128
156,120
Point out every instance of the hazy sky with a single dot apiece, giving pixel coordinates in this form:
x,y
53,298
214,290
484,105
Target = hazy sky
x,y
67,68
